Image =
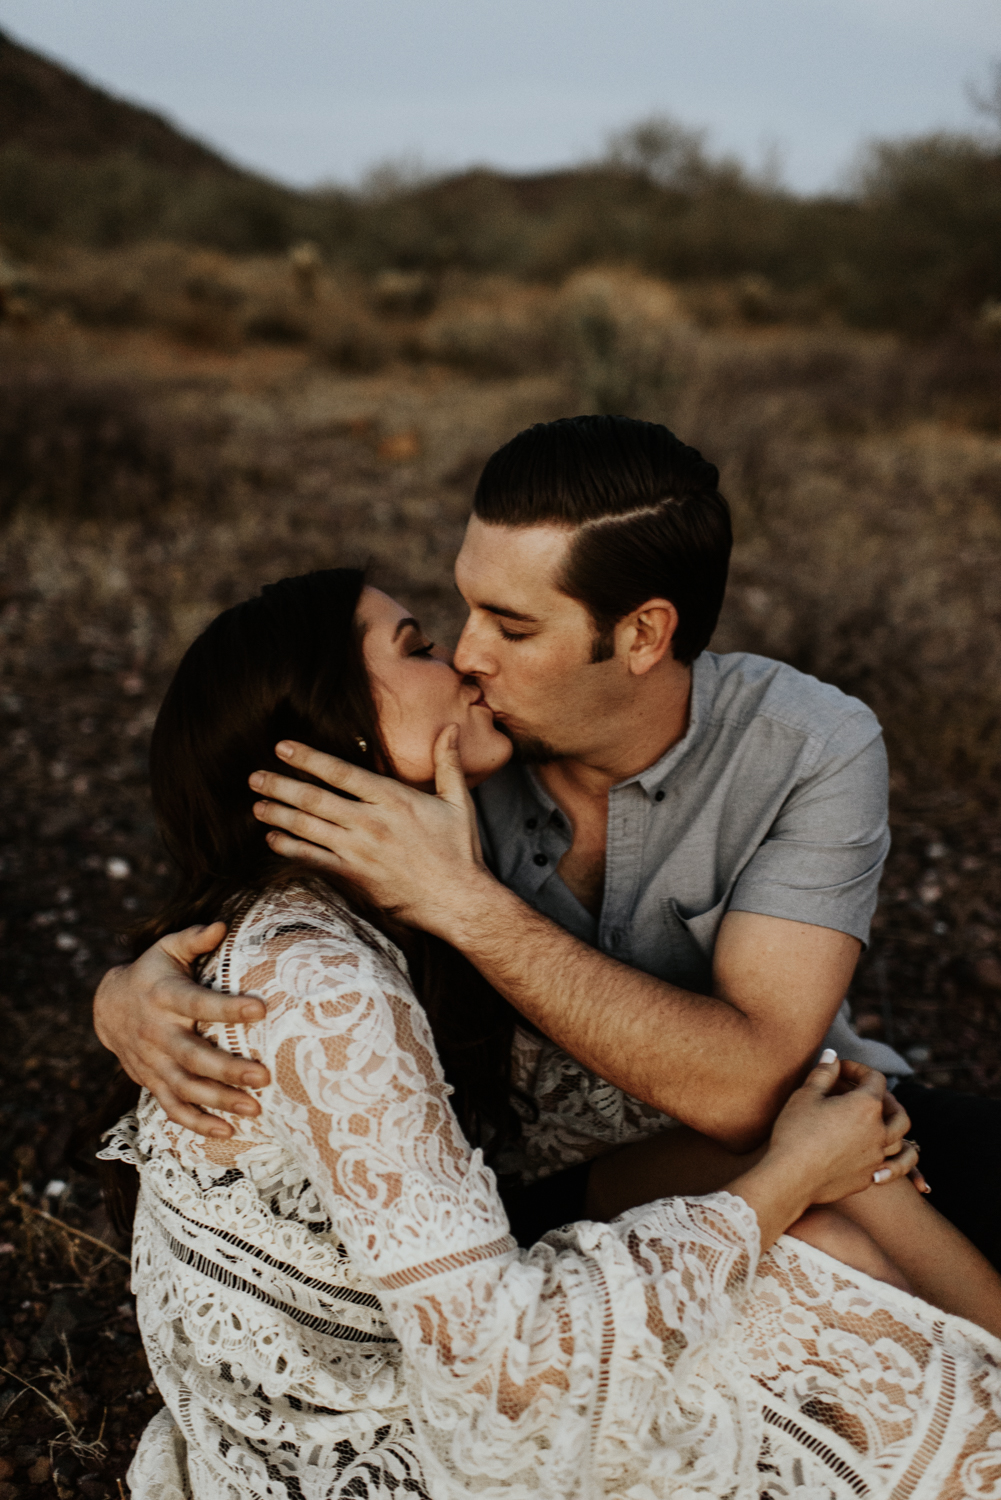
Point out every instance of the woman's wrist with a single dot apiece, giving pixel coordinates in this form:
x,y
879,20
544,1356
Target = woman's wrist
x,y
779,1192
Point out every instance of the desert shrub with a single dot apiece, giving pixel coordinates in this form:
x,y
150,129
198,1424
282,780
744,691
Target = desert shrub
x,y
911,245
81,449
627,346
927,234
119,200
344,334
193,294
868,542
77,449
496,328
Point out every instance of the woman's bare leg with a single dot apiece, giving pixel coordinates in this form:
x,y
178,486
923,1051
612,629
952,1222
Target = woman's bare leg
x,y
938,1261
682,1162
848,1242
676,1162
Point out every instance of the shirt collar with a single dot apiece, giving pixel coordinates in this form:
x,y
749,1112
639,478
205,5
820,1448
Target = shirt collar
x,y
654,776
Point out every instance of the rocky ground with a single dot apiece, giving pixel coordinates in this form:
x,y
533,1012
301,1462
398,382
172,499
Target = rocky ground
x,y
93,613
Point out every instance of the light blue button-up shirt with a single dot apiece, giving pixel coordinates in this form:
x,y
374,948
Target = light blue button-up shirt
x,y
774,801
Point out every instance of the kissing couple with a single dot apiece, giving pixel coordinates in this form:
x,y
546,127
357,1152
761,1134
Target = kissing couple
x,y
546,1161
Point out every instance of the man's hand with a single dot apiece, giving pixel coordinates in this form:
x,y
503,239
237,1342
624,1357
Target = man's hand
x,y
146,1012
412,854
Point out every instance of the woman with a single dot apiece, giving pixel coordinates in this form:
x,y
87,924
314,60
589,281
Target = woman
x,y
331,1301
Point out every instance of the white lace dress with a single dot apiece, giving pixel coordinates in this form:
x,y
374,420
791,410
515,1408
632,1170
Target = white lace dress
x,y
332,1304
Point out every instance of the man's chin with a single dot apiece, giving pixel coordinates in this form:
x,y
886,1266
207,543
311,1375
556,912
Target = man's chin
x,y
529,749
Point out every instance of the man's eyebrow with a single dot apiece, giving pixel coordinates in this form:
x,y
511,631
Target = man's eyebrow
x,y
401,626
509,614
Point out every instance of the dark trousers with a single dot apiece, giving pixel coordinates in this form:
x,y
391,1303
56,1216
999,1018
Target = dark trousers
x,y
960,1139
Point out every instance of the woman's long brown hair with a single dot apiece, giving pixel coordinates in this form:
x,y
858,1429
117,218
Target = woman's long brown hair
x,y
289,665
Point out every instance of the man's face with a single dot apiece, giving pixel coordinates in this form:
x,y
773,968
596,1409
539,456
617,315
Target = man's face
x,y
530,647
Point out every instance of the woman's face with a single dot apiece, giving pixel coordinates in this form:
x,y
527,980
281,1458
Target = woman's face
x,y
417,693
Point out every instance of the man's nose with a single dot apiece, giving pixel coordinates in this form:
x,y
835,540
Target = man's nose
x,y
468,659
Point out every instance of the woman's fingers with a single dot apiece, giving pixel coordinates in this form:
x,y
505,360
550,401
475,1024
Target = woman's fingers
x,y
897,1121
900,1165
824,1074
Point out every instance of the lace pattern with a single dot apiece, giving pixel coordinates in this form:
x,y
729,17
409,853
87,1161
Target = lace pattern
x,y
332,1304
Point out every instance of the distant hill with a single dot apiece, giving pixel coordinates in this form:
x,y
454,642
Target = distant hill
x,y
52,113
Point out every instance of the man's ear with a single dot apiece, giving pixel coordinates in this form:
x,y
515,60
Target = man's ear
x,y
646,635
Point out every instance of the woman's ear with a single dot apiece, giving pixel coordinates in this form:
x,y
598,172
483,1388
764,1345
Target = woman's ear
x,y
647,634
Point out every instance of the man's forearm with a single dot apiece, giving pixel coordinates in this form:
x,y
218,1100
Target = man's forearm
x,y
696,1057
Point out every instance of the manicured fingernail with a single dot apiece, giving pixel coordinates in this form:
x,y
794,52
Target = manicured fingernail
x,y
926,1188
257,780
828,1055
285,750
883,1175
250,1013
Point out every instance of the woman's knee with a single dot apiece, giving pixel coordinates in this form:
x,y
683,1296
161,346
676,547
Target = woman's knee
x,y
827,1230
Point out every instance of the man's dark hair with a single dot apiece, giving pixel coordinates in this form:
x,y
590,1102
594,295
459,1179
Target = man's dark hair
x,y
650,521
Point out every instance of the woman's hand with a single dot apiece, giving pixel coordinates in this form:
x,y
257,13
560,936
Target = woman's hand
x,y
146,1013
837,1135
844,1131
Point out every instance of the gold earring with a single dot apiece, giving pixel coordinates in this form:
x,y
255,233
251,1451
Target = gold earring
x,y
362,744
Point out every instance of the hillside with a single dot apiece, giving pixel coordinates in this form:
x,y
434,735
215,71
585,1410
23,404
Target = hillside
x,y
50,112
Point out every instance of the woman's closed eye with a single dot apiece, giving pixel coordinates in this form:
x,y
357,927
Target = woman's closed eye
x,y
423,650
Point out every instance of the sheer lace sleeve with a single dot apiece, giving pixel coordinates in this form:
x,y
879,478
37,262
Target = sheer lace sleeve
x,y
569,1369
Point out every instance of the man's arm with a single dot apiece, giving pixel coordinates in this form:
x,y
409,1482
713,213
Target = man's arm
x,y
146,1013
722,1063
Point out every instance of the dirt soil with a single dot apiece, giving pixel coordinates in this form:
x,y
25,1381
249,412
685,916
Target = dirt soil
x,y
79,860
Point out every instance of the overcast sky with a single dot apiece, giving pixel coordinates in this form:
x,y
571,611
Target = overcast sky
x,y
311,90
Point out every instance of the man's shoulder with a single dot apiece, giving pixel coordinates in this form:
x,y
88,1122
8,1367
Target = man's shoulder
x,y
742,688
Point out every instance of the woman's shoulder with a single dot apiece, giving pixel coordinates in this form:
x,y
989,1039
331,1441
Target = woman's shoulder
x,y
294,920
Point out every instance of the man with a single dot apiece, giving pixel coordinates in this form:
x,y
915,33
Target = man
x,y
678,870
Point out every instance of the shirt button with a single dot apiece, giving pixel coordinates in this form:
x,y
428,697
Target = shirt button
x,y
531,824
658,796
556,819
542,859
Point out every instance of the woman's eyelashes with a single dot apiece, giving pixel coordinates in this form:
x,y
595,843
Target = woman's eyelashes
x,y
423,650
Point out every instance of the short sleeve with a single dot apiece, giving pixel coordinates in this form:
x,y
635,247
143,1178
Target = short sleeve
x,y
823,856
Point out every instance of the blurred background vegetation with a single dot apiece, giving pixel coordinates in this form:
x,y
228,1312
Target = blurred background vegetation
x,y
911,243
